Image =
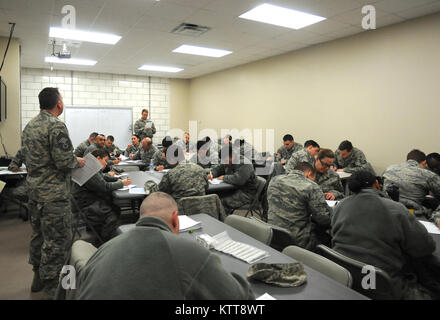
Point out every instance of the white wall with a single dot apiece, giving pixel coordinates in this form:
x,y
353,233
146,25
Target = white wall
x,y
98,89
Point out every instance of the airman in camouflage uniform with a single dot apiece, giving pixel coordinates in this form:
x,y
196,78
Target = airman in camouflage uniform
x,y
185,180
239,172
204,157
144,128
326,178
414,182
297,204
111,148
351,159
167,159
186,144
94,198
311,149
81,148
19,191
146,152
134,147
49,160
289,148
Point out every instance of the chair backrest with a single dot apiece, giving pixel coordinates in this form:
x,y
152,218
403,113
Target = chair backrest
x,y
320,263
209,204
255,229
281,237
81,253
383,289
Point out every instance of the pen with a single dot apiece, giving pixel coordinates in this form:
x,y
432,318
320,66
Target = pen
x,y
191,231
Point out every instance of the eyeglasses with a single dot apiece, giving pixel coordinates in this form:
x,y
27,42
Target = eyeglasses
x,y
325,165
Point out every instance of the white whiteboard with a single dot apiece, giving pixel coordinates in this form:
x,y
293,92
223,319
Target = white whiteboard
x,y
115,121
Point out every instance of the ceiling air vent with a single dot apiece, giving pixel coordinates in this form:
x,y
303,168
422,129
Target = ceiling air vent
x,y
188,29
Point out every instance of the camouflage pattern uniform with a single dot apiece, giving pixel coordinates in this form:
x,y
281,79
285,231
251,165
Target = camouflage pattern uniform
x,y
241,175
298,205
208,161
436,216
355,162
299,156
330,182
94,146
187,147
185,180
145,155
114,151
247,150
95,199
141,131
414,184
49,159
132,150
287,153
159,161
81,148
19,191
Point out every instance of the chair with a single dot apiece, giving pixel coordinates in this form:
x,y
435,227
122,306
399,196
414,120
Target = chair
x,y
321,264
209,204
384,289
255,205
80,253
281,237
252,228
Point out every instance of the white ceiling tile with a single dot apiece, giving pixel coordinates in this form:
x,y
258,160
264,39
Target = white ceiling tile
x,y
393,6
326,26
387,20
420,11
349,31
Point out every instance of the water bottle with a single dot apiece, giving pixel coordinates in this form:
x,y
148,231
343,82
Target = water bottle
x,y
151,169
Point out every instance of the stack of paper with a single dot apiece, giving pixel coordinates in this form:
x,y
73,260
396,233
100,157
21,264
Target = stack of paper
x,y
215,181
137,191
237,249
343,175
82,175
331,203
187,224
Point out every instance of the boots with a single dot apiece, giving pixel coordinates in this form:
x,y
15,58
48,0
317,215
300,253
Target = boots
x,y
37,284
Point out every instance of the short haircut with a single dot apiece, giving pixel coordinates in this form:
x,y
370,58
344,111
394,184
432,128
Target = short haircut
x,y
345,145
304,167
201,143
49,98
207,139
416,155
102,153
100,134
361,180
144,110
312,143
433,162
228,136
158,204
93,135
288,137
135,135
167,142
111,138
326,153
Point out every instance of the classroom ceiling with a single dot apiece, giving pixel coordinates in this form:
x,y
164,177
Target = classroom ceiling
x,y
145,27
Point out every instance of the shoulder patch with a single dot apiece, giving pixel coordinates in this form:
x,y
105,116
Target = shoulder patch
x,y
63,142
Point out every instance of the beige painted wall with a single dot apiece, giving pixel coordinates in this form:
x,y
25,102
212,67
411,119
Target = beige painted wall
x,y
10,129
179,103
379,89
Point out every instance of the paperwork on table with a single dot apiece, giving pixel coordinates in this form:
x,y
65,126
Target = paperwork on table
x,y
92,166
137,191
431,227
215,181
127,187
187,224
331,203
239,250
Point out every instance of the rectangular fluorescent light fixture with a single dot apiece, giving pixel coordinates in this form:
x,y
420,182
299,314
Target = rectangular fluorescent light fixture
x,y
280,16
202,51
149,67
73,34
83,62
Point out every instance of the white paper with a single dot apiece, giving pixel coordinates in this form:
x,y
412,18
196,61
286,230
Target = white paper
x,y
127,187
121,175
137,191
148,125
165,170
123,158
239,250
2,185
8,172
431,227
343,175
331,203
187,224
265,296
92,166
215,181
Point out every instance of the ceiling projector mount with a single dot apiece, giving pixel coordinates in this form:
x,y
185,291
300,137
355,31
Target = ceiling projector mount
x,y
63,54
